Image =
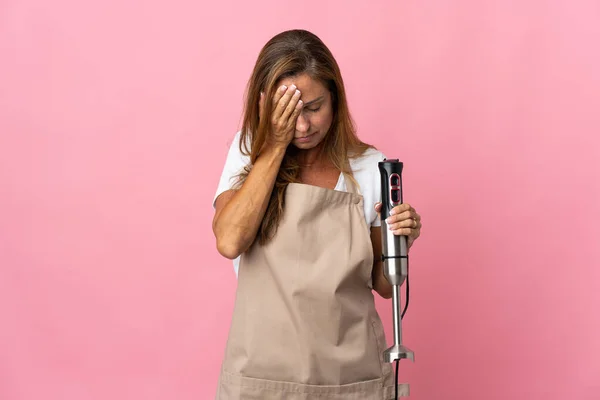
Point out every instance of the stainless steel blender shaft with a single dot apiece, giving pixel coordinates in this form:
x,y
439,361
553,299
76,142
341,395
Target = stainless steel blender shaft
x,y
395,269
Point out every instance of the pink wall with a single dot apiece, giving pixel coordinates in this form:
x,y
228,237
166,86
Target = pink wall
x,y
115,118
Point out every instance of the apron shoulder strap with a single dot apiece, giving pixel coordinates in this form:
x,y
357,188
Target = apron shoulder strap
x,y
350,185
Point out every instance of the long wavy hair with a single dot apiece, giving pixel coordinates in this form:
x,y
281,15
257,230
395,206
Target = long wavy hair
x,y
288,54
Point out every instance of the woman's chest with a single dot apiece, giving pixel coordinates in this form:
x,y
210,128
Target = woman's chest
x,y
322,178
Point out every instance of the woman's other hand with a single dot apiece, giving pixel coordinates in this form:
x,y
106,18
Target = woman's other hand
x,y
403,220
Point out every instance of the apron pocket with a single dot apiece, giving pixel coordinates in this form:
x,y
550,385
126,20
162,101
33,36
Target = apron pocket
x,y
234,387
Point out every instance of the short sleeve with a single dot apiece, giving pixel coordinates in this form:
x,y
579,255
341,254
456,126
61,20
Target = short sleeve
x,y
366,172
234,164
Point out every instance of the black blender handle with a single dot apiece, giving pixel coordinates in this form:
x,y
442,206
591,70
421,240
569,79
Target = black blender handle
x,y
391,185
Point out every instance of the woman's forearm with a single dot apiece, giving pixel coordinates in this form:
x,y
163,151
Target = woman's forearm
x,y
240,213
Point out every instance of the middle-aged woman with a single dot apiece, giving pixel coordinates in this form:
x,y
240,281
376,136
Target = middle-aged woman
x,y
297,210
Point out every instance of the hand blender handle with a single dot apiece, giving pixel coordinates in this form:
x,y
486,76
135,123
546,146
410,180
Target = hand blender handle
x,y
391,185
394,247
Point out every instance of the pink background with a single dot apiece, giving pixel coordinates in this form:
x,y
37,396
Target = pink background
x,y
115,119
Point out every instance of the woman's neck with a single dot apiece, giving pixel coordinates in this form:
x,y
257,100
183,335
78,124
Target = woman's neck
x,y
312,157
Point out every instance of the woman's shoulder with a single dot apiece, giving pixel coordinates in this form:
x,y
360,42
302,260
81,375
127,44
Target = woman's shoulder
x,y
235,141
365,169
235,153
367,161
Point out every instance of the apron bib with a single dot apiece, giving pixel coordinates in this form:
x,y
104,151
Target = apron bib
x,y
304,324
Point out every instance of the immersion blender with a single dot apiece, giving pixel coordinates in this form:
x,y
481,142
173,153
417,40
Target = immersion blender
x,y
394,255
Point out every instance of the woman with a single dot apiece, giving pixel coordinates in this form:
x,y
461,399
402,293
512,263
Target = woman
x,y
297,209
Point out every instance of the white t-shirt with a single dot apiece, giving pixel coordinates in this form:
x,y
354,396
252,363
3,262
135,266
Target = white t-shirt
x,y
364,168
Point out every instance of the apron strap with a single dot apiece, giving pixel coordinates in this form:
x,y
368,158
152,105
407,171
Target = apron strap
x,y
350,185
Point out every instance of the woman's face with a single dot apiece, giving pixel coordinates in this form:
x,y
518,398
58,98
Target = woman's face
x,y
317,114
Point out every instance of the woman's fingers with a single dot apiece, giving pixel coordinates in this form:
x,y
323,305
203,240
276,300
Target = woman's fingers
x,y
405,221
403,232
295,114
406,215
402,212
279,94
402,208
291,106
283,101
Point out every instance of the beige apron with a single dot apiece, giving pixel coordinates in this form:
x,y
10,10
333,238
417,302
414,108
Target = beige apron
x,y
304,323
